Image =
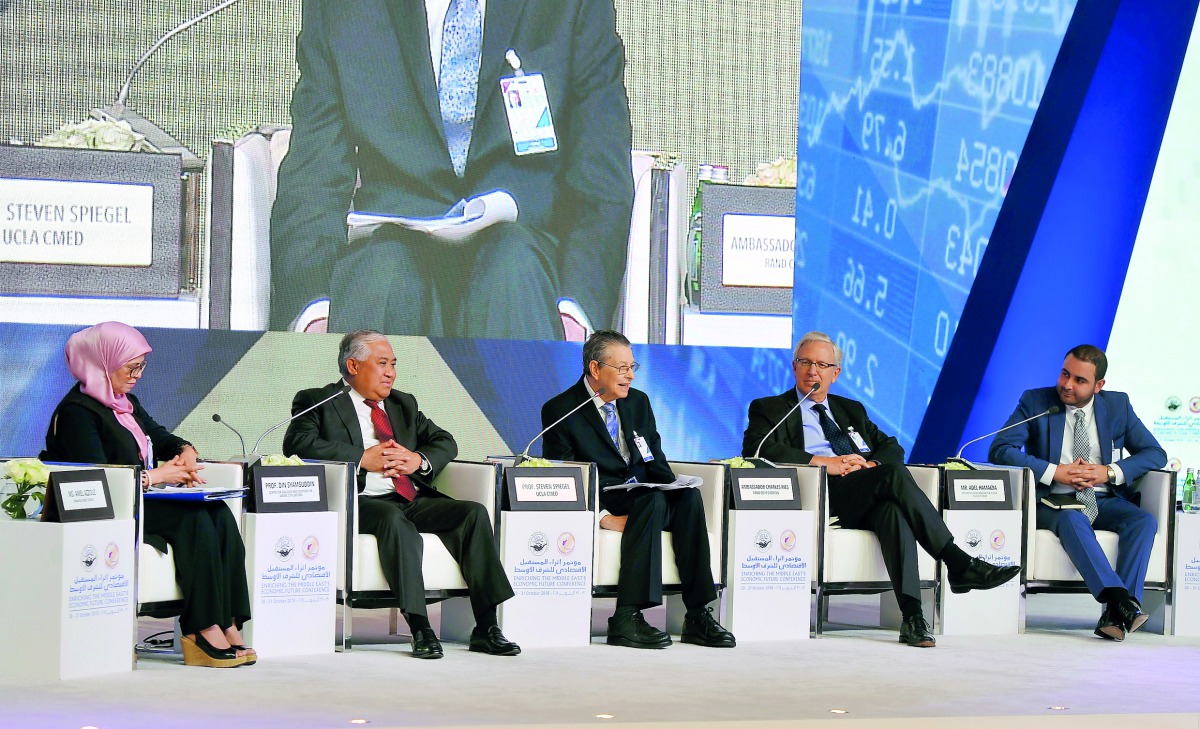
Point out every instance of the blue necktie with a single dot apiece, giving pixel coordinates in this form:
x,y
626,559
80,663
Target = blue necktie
x,y
610,421
458,79
838,441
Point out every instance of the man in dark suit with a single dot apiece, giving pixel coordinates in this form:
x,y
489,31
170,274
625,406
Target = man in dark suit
x,y
869,487
399,451
399,110
1077,452
617,432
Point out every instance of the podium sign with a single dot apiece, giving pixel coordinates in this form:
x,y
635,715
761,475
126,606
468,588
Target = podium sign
x,y
981,515
289,488
543,489
547,556
291,562
70,589
1186,612
770,570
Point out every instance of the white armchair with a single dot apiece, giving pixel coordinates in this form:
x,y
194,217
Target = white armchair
x,y
850,561
606,560
360,579
1049,569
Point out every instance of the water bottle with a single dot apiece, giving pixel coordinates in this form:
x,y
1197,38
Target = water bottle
x,y
1191,501
695,249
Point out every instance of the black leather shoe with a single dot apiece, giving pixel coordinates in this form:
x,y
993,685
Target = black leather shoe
x,y
1110,625
632,631
492,642
980,575
706,631
915,632
1129,611
425,644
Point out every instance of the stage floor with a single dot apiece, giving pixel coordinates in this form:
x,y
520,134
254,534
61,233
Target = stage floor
x,y
966,682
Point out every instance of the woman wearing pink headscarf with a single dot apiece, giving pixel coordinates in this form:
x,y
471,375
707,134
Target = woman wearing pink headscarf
x,y
99,421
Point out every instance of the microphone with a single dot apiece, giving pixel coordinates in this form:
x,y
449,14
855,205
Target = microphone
x,y
154,134
525,453
277,426
958,456
217,419
816,386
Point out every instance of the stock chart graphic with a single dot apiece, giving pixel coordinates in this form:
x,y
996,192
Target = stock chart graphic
x,y
913,115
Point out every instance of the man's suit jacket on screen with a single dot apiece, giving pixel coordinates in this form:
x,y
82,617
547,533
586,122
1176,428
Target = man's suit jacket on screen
x,y
1037,444
366,108
332,433
786,445
584,437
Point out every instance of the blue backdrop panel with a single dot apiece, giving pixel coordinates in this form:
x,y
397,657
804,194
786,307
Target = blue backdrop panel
x,y
1068,225
186,365
699,394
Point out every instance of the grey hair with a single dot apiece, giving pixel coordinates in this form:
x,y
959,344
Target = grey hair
x,y
356,346
818,337
594,347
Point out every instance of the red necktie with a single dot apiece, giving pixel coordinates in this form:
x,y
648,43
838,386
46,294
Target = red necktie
x,y
383,431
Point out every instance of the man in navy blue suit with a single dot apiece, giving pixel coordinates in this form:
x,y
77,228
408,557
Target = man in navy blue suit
x,y
1077,452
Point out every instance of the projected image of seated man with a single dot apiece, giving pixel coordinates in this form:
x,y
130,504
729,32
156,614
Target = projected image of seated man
x,y
403,109
1073,455
869,486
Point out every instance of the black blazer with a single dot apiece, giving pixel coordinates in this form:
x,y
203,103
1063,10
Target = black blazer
x,y
365,108
331,432
786,445
84,431
584,437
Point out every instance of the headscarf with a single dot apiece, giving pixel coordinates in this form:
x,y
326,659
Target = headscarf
x,y
94,353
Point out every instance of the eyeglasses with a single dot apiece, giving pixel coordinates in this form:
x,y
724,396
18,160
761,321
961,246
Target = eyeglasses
x,y
806,363
622,369
135,370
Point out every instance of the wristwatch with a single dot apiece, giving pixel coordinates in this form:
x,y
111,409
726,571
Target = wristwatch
x,y
1112,475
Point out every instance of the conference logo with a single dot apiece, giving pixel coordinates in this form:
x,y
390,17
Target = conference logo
x,y
538,544
112,555
566,543
1194,405
787,540
311,547
1173,404
88,557
284,547
974,538
763,540
998,539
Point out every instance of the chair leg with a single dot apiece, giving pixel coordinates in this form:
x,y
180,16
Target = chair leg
x,y
347,622
393,621
822,610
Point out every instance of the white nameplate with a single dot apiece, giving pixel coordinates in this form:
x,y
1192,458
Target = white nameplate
x,y
291,489
981,489
83,495
759,250
78,223
765,489
545,489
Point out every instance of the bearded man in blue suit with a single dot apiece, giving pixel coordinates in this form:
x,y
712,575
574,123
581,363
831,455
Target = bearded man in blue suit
x,y
1079,452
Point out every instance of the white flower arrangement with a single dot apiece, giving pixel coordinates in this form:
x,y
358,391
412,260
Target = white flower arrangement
x,y
114,136
536,463
736,462
278,459
29,475
780,173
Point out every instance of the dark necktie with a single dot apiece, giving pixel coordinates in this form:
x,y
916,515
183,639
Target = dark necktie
x,y
383,431
1081,448
462,42
839,441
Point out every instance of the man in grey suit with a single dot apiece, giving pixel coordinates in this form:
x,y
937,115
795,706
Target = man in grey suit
x,y
399,110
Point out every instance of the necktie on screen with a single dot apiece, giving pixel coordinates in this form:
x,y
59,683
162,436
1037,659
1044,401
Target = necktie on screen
x,y
610,422
458,78
838,440
1081,448
383,431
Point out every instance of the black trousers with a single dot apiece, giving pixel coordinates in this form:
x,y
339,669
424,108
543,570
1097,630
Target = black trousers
x,y
651,512
464,528
502,284
887,501
210,561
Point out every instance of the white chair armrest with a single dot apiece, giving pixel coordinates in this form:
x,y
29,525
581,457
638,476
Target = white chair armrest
x,y
471,481
712,491
929,479
1158,497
